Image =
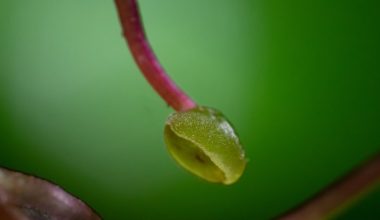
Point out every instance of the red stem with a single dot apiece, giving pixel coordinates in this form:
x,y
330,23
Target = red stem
x,y
146,60
339,194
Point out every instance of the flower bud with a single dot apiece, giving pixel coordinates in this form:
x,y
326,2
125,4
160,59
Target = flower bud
x,y
204,142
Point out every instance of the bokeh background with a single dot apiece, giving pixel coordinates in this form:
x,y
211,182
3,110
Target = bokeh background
x,y
300,80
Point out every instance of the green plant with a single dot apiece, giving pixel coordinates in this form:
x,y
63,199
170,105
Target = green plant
x,y
199,138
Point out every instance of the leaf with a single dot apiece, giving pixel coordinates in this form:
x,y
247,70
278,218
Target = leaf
x,y
25,197
204,142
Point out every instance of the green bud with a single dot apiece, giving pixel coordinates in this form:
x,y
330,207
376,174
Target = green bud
x,y
204,142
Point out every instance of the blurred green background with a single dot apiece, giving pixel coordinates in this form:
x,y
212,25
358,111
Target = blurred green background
x,y
300,80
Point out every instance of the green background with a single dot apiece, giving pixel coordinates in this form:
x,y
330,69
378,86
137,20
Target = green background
x,y
299,80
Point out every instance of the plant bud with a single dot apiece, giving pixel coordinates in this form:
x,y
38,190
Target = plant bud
x,y
204,142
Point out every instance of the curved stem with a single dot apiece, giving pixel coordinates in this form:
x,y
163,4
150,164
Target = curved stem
x,y
340,194
149,65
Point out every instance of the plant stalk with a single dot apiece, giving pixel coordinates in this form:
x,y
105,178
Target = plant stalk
x,y
340,194
145,58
